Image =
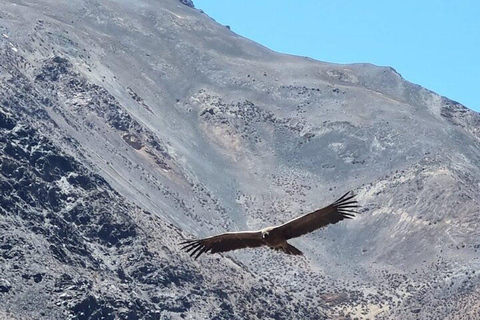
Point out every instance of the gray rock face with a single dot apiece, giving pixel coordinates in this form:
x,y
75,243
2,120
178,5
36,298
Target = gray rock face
x,y
127,126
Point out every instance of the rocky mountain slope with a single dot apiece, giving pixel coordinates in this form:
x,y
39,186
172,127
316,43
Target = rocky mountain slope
x,y
127,126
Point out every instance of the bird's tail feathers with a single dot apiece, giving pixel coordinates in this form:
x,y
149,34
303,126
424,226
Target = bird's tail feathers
x,y
292,250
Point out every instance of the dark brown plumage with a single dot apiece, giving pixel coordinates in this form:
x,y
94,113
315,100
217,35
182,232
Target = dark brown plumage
x,y
276,237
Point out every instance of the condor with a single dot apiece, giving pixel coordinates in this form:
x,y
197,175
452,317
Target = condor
x,y
276,237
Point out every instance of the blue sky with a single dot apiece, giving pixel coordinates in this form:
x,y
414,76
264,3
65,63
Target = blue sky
x,y
435,44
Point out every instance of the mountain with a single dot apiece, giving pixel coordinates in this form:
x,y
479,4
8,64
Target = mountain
x,y
128,126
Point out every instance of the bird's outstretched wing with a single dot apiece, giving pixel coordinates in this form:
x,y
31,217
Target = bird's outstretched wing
x,y
224,242
341,209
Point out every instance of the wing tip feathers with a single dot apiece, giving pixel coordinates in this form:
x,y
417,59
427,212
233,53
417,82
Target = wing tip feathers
x,y
195,248
346,205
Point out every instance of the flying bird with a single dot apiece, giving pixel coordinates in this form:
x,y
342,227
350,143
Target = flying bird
x,y
276,237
